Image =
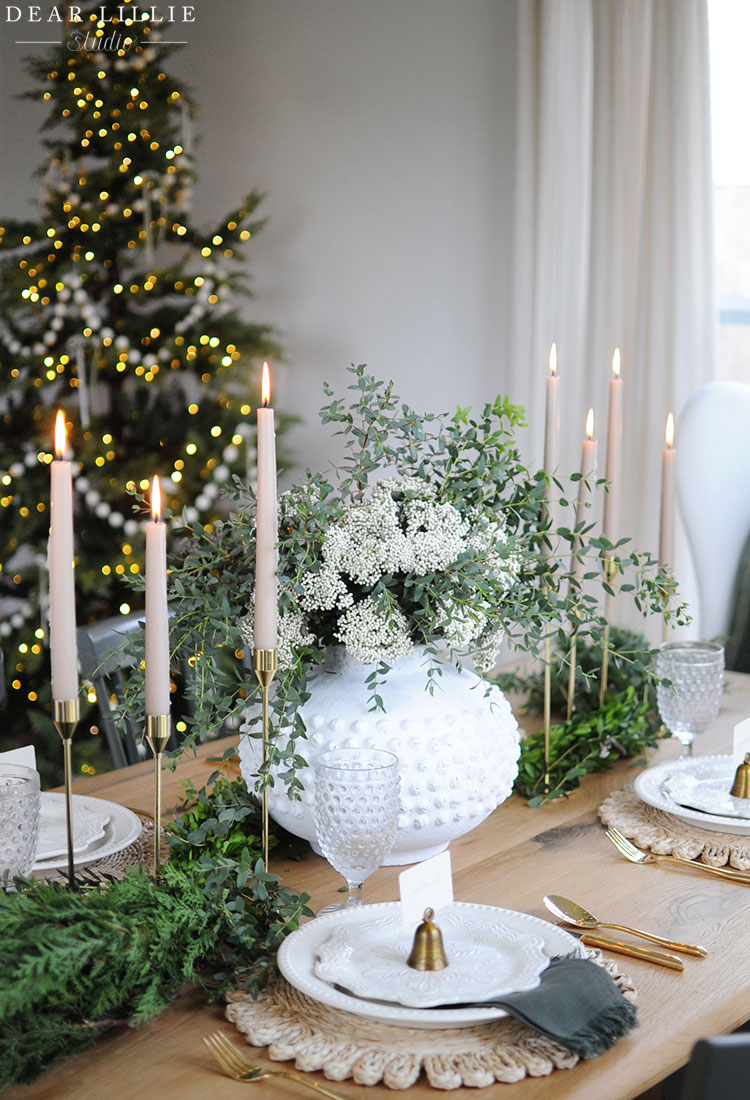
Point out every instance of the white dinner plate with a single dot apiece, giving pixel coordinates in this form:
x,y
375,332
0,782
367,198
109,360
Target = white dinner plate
x,y
653,786
122,828
88,826
297,956
486,959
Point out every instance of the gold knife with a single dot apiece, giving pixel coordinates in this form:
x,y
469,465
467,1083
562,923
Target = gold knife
x,y
647,954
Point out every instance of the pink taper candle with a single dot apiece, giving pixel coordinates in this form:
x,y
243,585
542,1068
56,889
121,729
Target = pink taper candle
x,y
157,613
552,416
612,498
666,529
552,433
588,473
266,555
62,601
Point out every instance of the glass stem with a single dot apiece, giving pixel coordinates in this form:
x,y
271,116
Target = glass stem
x,y
356,895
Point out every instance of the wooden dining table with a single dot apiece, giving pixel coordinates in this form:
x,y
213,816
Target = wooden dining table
x,y
511,860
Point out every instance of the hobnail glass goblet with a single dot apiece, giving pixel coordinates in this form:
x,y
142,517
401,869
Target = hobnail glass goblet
x,y
356,813
20,809
690,702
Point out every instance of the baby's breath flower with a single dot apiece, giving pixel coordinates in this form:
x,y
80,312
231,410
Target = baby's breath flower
x,y
373,633
292,634
325,591
487,649
460,624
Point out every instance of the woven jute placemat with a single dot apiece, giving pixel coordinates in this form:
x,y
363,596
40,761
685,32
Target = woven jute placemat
x,y
667,835
342,1045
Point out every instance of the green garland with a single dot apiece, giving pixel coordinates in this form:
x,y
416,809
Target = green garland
x,y
630,665
76,963
625,726
597,735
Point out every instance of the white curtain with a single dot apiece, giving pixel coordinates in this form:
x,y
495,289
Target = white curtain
x,y
613,239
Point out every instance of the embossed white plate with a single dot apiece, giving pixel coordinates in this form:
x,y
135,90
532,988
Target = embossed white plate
x,y
485,959
122,828
88,825
654,786
298,952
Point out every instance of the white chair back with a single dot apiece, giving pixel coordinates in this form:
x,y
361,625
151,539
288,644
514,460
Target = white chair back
x,y
713,489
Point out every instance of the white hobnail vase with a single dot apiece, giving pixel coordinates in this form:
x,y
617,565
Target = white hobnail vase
x,y
457,747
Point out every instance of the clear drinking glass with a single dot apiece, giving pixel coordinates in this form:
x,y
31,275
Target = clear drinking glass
x,y
689,704
20,809
356,813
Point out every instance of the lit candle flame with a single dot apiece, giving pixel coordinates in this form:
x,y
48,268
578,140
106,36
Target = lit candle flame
x,y
669,431
265,386
590,424
156,498
616,363
553,359
60,434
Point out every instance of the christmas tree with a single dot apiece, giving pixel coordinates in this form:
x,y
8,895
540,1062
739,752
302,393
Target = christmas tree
x,y
114,307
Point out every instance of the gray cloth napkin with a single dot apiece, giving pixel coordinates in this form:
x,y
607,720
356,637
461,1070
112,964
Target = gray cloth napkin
x,y
576,1003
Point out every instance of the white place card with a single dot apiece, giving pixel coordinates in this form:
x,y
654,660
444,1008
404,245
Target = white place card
x,y
26,755
427,885
741,742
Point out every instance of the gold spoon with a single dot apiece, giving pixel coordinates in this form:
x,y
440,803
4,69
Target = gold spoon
x,y
572,913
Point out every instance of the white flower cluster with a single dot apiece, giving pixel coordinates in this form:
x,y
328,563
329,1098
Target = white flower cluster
x,y
292,634
412,534
372,633
490,539
486,651
459,624
401,529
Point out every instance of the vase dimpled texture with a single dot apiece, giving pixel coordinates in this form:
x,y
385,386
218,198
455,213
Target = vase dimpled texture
x,y
690,703
457,747
20,808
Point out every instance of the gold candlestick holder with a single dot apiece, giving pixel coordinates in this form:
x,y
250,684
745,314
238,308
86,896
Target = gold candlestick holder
x,y
66,714
264,663
547,706
573,657
610,570
158,728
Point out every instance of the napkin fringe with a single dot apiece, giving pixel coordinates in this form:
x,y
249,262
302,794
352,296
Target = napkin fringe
x,y
610,1025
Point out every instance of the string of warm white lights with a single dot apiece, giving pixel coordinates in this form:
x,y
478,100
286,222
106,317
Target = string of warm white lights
x,y
117,290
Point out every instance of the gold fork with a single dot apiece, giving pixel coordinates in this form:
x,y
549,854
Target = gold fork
x,y
236,1065
636,855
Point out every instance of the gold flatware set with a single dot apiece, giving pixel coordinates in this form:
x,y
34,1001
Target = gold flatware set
x,y
636,855
236,1065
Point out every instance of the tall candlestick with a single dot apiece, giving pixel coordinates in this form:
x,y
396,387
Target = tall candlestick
x,y
551,438
157,613
267,524
552,416
588,473
551,444
666,530
612,497
62,611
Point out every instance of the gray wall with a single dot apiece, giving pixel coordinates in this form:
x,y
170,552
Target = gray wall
x,y
382,132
